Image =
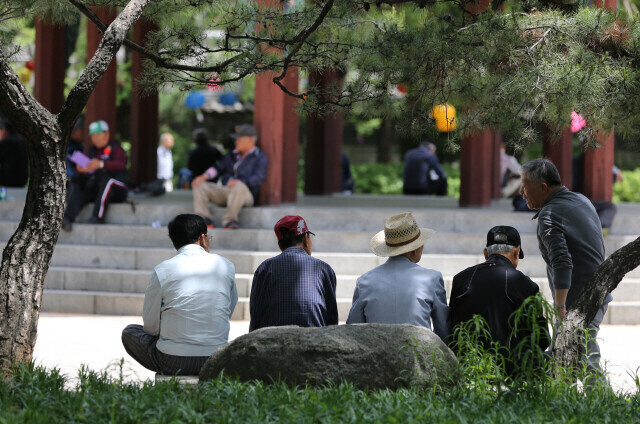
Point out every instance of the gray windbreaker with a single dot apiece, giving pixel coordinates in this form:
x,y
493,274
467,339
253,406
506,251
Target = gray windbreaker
x,y
570,240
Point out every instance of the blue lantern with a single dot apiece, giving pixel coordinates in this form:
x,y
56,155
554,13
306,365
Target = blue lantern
x,y
228,99
194,100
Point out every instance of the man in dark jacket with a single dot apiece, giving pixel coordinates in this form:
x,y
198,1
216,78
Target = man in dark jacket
x,y
293,288
495,290
203,155
241,173
570,241
14,162
101,178
422,171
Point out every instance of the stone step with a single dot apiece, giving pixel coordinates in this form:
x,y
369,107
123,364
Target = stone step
x,y
109,303
265,240
135,282
246,262
325,213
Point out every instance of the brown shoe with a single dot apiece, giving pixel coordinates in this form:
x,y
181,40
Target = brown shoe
x,y
231,225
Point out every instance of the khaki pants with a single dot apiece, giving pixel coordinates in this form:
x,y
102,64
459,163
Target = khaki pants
x,y
234,198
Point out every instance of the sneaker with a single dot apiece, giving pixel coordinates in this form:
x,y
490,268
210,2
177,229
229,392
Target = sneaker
x,y
231,225
67,225
209,223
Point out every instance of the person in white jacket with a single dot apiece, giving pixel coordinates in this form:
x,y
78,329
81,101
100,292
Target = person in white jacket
x,y
187,305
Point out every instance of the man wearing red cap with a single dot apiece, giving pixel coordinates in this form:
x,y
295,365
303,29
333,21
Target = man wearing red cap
x,y
293,288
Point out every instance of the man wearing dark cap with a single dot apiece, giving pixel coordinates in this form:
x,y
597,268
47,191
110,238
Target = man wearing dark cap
x,y
241,173
293,288
495,290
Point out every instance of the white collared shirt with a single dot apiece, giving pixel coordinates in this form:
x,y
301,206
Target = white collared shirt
x,y
189,301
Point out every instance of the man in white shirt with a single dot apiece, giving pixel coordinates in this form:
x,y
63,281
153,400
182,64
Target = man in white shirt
x,y
165,161
187,305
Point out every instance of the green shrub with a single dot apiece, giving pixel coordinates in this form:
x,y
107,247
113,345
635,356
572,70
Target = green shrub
x,y
386,178
629,189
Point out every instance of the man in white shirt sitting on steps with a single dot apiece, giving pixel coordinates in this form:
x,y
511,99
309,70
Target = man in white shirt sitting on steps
x,y
187,305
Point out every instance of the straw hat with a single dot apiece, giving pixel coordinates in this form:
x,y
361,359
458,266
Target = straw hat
x,y
400,235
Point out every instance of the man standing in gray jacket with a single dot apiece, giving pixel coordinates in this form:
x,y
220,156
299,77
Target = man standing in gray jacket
x,y
570,240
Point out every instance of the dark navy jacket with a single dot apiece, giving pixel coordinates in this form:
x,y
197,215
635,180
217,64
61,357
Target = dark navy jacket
x,y
293,288
251,170
420,166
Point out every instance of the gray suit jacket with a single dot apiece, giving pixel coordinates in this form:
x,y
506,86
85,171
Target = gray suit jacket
x,y
401,292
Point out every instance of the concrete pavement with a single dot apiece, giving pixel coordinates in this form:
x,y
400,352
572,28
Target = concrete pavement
x,y
67,341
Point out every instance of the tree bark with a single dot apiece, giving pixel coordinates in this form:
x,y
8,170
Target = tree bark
x,y
26,258
604,280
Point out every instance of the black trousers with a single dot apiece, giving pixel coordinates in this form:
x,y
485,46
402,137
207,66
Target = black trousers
x,y
99,189
142,347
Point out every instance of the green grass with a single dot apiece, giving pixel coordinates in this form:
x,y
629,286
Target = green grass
x,y
33,395
481,394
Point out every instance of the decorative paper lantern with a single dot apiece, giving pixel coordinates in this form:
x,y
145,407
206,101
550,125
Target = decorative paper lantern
x,y
445,117
213,83
577,122
194,100
30,65
24,74
402,88
228,99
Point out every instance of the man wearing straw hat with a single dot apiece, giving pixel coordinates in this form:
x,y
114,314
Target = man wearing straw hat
x,y
400,291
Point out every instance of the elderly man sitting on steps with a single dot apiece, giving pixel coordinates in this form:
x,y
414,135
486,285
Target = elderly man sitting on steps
x,y
400,291
241,172
187,304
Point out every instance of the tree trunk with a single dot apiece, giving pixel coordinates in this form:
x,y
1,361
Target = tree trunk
x,y
26,258
604,280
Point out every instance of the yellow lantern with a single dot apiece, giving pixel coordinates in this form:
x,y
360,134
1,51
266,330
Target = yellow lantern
x,y
445,117
24,74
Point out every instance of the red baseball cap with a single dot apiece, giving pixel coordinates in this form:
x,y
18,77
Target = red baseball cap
x,y
295,224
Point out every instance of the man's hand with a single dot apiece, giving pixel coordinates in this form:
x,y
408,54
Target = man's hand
x,y
560,299
562,311
231,183
93,165
198,180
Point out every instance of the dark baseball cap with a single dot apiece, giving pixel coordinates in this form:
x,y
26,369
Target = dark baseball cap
x,y
295,224
503,234
245,130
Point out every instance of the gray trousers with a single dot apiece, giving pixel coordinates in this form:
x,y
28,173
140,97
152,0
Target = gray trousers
x,y
142,347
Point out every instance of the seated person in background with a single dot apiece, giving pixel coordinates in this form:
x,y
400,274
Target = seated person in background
x,y
165,161
14,161
187,304
203,156
101,181
495,290
347,183
241,173
76,144
400,291
509,173
293,288
422,171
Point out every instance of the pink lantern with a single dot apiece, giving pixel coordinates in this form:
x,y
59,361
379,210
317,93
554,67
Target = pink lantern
x,y
577,122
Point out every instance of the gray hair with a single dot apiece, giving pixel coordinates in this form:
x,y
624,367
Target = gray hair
x,y
165,136
541,171
429,145
496,249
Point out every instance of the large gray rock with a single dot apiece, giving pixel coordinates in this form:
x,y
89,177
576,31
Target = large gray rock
x,y
373,356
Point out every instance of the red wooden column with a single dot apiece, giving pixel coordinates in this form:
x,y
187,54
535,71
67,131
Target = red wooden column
x,y
477,168
49,66
560,152
598,163
276,120
323,169
496,178
102,103
144,116
480,155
